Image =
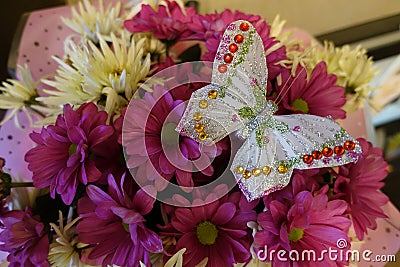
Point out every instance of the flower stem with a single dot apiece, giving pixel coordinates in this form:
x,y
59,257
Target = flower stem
x,y
21,184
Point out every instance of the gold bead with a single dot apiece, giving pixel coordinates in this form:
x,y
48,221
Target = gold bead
x,y
256,172
197,116
199,127
202,136
266,170
282,169
239,170
203,103
246,174
212,94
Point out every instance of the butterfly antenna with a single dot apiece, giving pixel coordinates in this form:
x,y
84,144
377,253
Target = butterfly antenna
x,y
284,90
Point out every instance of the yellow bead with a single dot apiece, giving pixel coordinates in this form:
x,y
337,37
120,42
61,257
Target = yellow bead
x,y
282,169
239,170
212,94
246,174
203,103
197,116
256,172
202,136
199,127
266,170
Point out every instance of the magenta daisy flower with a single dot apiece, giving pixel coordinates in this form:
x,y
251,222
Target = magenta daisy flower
x,y
308,223
211,27
113,223
169,22
24,238
217,230
359,183
317,95
75,150
155,149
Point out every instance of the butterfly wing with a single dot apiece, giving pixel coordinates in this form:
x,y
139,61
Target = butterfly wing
x,y
266,160
237,90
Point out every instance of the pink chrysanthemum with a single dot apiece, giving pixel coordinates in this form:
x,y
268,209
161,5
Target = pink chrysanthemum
x,y
211,27
113,223
318,96
24,238
217,230
359,183
306,223
169,22
75,150
155,148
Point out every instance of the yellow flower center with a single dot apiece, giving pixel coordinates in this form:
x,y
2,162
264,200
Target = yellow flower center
x,y
207,233
300,105
169,136
72,149
296,234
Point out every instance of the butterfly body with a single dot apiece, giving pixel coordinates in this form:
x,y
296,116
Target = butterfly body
x,y
273,145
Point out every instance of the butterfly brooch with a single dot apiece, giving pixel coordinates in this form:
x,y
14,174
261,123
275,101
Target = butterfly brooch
x,y
274,145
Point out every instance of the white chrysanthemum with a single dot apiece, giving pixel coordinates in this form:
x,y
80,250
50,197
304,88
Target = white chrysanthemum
x,y
108,77
19,95
91,21
65,248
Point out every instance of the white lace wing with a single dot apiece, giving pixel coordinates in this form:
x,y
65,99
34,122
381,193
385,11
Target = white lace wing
x,y
238,85
266,160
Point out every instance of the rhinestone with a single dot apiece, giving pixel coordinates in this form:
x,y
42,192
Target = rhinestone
x,y
244,26
228,58
212,94
246,174
233,48
199,127
222,68
203,103
266,170
339,150
308,159
317,154
349,145
239,170
256,172
202,136
327,151
238,38
282,169
197,116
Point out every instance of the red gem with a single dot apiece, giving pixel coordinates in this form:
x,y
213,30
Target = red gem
x,y
233,48
308,159
238,38
317,154
228,58
339,150
222,68
244,26
327,151
349,145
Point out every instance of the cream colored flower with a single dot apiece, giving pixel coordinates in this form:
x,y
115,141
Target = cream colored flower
x,y
352,67
19,95
91,21
108,77
65,248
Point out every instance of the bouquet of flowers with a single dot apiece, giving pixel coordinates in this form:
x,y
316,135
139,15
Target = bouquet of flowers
x,y
114,184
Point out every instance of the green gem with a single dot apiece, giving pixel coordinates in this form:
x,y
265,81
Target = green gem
x,y
207,233
246,112
296,234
